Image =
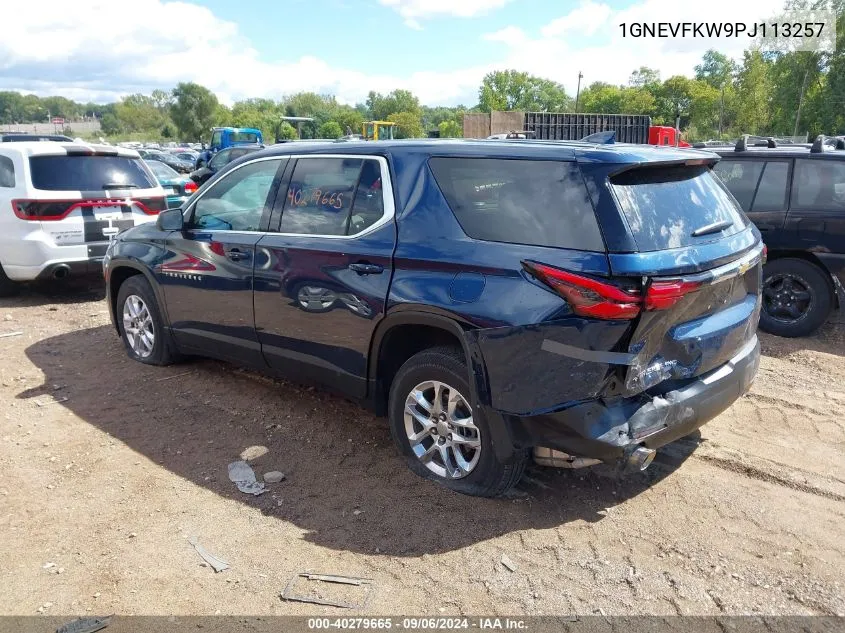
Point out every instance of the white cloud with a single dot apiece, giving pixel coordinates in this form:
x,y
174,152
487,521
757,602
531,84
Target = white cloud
x,y
510,35
413,10
587,19
104,49
552,54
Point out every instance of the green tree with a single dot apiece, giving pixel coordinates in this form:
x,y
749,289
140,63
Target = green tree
x,y
110,124
382,106
138,113
408,124
716,69
674,99
287,132
514,90
450,129
754,92
193,110
330,129
645,77
602,98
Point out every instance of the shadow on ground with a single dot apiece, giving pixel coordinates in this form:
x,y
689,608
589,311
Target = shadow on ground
x,y
194,418
77,290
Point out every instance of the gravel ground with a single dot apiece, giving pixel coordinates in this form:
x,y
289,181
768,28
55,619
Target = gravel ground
x,y
108,468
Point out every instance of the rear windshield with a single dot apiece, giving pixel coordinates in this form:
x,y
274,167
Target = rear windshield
x,y
88,173
664,206
541,203
244,137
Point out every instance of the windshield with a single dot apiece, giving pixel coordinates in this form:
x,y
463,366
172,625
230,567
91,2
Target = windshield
x,y
672,207
245,137
161,171
88,173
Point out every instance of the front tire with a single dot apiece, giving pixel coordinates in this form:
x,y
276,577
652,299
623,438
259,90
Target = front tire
x,y
797,297
141,325
435,429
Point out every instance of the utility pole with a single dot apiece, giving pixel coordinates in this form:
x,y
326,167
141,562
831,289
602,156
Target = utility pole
x,y
578,92
800,101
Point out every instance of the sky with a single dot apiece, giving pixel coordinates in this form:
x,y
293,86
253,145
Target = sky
x,y
100,50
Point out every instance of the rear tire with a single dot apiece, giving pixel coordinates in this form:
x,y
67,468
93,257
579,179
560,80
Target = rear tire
x,y
141,325
8,288
459,456
797,297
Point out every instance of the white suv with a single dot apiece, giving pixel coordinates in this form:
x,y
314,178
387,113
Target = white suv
x,y
61,203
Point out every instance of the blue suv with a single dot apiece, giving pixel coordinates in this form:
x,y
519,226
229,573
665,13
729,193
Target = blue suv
x,y
495,300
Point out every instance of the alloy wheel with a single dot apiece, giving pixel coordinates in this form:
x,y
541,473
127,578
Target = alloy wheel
x,y
138,326
440,429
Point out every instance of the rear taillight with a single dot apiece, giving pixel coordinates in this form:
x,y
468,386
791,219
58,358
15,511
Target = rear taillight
x,y
765,253
190,186
54,210
43,210
587,296
602,300
151,206
662,295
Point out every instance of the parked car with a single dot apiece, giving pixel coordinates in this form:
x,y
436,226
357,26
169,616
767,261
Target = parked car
x,y
19,137
491,298
220,160
177,187
796,197
172,161
63,202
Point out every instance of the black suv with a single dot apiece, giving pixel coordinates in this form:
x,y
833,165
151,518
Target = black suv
x,y
491,298
796,197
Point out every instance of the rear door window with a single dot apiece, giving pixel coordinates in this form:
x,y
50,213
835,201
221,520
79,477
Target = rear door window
x,y
771,192
540,203
88,173
741,178
818,185
664,206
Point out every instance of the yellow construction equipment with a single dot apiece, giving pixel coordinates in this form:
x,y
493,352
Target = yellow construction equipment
x,y
377,130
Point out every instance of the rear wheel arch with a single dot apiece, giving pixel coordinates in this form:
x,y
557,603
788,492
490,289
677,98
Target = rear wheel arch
x,y
807,256
401,335
117,277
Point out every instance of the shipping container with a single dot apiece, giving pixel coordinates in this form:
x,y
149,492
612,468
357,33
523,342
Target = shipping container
x,y
567,126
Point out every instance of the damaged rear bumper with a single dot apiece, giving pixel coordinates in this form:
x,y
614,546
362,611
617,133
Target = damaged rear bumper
x,y
609,431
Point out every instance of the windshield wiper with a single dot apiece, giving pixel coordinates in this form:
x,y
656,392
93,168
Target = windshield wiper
x,y
721,225
120,185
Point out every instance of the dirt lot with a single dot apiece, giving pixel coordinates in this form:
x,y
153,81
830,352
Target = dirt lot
x,y
107,467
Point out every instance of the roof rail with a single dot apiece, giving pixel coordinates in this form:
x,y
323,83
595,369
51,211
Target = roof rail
x,y
818,145
742,143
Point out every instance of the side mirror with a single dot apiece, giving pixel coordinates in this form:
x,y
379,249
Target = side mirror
x,y
170,220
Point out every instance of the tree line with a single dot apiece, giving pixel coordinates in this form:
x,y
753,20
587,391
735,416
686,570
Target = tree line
x,y
766,93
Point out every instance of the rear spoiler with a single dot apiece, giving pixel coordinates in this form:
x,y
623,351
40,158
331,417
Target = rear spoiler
x,y
707,161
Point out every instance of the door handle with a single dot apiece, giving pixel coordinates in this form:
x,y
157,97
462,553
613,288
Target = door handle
x,y
237,255
363,268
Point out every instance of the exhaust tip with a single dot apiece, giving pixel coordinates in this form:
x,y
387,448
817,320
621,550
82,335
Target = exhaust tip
x,y
641,458
61,271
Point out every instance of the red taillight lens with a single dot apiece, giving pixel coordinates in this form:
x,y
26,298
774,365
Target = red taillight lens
x,y
42,210
662,295
151,206
190,186
587,296
765,253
